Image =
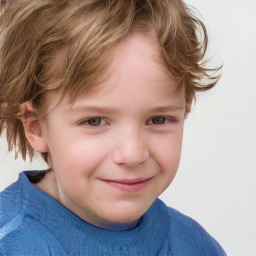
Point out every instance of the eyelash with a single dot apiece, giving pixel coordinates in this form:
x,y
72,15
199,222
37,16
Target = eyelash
x,y
88,120
165,120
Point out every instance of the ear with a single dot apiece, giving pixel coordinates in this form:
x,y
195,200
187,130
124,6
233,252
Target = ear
x,y
32,128
188,109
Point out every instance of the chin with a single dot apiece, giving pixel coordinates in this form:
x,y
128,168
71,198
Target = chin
x,y
125,214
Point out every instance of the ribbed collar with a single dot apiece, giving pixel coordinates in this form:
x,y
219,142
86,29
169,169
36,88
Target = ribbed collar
x,y
76,235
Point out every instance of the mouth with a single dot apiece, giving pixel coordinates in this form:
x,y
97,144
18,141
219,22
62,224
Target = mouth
x,y
128,185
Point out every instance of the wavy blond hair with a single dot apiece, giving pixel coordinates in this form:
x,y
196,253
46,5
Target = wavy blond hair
x,y
32,32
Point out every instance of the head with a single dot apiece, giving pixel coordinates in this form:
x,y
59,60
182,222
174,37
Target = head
x,y
101,89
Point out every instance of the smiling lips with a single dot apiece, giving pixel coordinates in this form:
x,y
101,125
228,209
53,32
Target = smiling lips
x,y
126,185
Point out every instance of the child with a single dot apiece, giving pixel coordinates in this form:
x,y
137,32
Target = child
x,y
101,88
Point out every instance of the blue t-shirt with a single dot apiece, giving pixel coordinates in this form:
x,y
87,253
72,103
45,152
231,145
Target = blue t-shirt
x,y
33,223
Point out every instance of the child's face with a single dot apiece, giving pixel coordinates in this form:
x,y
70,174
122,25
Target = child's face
x,y
114,151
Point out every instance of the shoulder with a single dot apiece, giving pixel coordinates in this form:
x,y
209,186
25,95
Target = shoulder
x,y
19,238
20,232
24,235
10,203
13,199
187,237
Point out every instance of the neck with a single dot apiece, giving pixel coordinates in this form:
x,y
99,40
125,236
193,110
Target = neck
x,y
120,226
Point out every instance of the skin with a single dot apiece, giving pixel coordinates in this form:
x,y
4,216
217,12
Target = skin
x,y
115,150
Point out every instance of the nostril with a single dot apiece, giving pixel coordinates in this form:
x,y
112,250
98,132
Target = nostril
x,y
117,157
130,157
131,147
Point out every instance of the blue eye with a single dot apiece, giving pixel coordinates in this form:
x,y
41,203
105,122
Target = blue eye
x,y
161,120
95,121
158,120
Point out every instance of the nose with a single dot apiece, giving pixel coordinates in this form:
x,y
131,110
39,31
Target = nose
x,y
130,149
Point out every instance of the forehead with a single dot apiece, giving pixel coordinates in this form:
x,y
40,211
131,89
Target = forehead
x,y
138,51
134,62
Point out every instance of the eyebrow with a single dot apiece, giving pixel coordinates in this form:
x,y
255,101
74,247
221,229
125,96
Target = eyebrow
x,y
96,109
113,110
168,108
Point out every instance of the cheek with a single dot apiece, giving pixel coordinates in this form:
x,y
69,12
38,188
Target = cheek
x,y
168,153
77,155
168,159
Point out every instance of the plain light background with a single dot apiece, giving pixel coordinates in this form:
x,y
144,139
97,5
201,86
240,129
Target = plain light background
x,y
216,181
